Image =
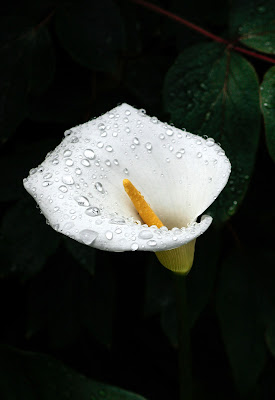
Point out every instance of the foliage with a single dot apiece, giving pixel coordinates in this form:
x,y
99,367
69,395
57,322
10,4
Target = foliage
x,y
107,317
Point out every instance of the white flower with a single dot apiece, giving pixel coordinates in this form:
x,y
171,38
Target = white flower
x,y
79,186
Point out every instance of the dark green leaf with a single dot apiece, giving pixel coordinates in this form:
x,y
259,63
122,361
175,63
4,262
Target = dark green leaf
x,y
213,92
239,306
252,22
42,377
92,33
65,299
26,239
268,109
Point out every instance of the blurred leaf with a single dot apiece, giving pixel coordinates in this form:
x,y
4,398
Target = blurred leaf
x,y
160,290
26,241
268,109
38,376
27,64
92,33
213,92
239,307
65,299
84,255
252,22
19,160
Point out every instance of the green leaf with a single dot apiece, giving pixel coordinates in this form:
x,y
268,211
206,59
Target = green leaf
x,y
92,33
214,92
27,64
252,23
38,376
27,241
66,299
268,109
240,308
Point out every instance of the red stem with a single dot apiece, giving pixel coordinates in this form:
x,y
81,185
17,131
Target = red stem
x,y
202,31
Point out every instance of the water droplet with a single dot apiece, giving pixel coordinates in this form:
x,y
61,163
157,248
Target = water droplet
x,y
99,187
198,141
167,160
69,162
134,246
152,243
92,211
109,235
68,226
127,112
68,179
48,176
74,139
67,153
85,162
210,142
101,126
78,171
108,163
82,201
47,183
136,141
116,162
63,189
221,153
100,145
161,136
146,234
117,221
111,115
148,146
55,161
199,155
87,236
169,132
109,148
154,120
178,154
68,132
90,154
126,171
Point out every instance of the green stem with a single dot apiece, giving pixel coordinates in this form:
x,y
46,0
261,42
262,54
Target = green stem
x,y
184,350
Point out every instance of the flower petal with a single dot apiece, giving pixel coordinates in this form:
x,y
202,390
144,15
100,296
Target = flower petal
x,y
79,186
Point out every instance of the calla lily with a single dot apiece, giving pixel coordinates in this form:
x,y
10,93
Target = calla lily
x,y
79,186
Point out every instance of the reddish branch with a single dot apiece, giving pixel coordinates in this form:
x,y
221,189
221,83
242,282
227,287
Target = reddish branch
x,y
202,31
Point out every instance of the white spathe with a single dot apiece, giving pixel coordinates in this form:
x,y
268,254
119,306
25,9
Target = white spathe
x,y
79,186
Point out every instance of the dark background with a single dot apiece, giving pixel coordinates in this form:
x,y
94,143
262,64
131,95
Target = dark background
x,y
112,317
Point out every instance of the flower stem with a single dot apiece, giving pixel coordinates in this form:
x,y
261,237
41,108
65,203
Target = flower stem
x,y
184,349
202,31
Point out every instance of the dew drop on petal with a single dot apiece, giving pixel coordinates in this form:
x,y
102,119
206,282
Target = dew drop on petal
x,y
126,171
178,154
55,161
100,145
109,148
108,163
169,132
74,139
63,189
78,171
134,246
48,175
161,136
152,243
68,179
101,126
116,162
199,155
67,153
90,154
146,234
210,142
88,236
85,162
99,187
92,211
136,141
148,146
47,183
109,235
82,201
69,162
